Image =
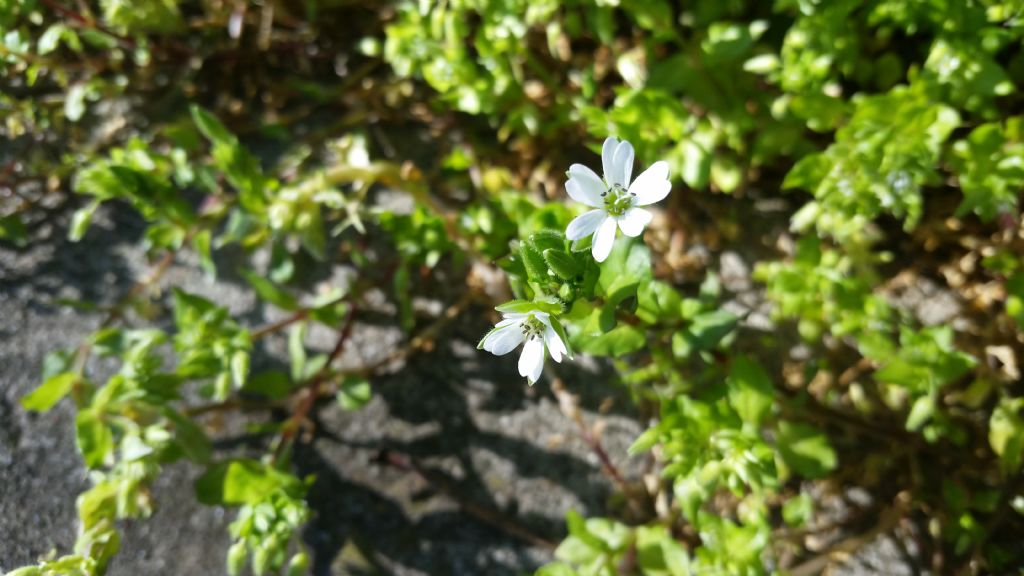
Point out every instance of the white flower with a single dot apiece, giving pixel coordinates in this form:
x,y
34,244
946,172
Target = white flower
x,y
536,330
615,199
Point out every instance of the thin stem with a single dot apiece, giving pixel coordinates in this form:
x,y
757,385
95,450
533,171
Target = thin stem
x,y
311,390
570,407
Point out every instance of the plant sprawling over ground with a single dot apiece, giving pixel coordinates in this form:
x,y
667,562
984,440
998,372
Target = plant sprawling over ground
x,y
859,152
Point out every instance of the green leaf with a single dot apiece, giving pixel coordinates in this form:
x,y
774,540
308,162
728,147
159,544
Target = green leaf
x,y
354,393
708,329
297,351
240,167
921,412
239,367
210,126
618,342
798,510
658,302
645,441
46,396
805,450
562,264
273,384
807,173
696,165
659,554
93,437
578,528
1006,433
312,234
13,230
51,38
201,243
545,240
750,390
81,219
628,262
269,292
726,174
524,306
244,481
536,267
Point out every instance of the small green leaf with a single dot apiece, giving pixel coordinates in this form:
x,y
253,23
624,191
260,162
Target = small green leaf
x,y
545,240
13,230
556,569
273,384
536,267
243,481
645,441
297,350
269,292
298,565
562,264
354,393
93,437
618,342
81,220
210,126
201,243
921,412
524,306
46,396
798,510
48,40
1006,433
805,449
696,165
750,390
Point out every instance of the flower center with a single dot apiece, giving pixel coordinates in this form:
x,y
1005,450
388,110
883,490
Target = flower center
x,y
617,200
532,327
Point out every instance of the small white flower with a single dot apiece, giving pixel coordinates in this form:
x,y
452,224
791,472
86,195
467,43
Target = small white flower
x,y
615,199
536,330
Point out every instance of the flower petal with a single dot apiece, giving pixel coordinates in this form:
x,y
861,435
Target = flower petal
x,y
585,224
653,185
531,362
555,345
622,164
603,240
584,186
608,155
504,339
632,223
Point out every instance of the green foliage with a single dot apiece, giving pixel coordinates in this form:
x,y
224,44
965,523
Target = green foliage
x,y
887,135
879,162
209,344
989,166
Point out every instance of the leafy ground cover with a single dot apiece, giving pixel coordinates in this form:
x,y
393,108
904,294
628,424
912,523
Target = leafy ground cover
x,y
816,295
